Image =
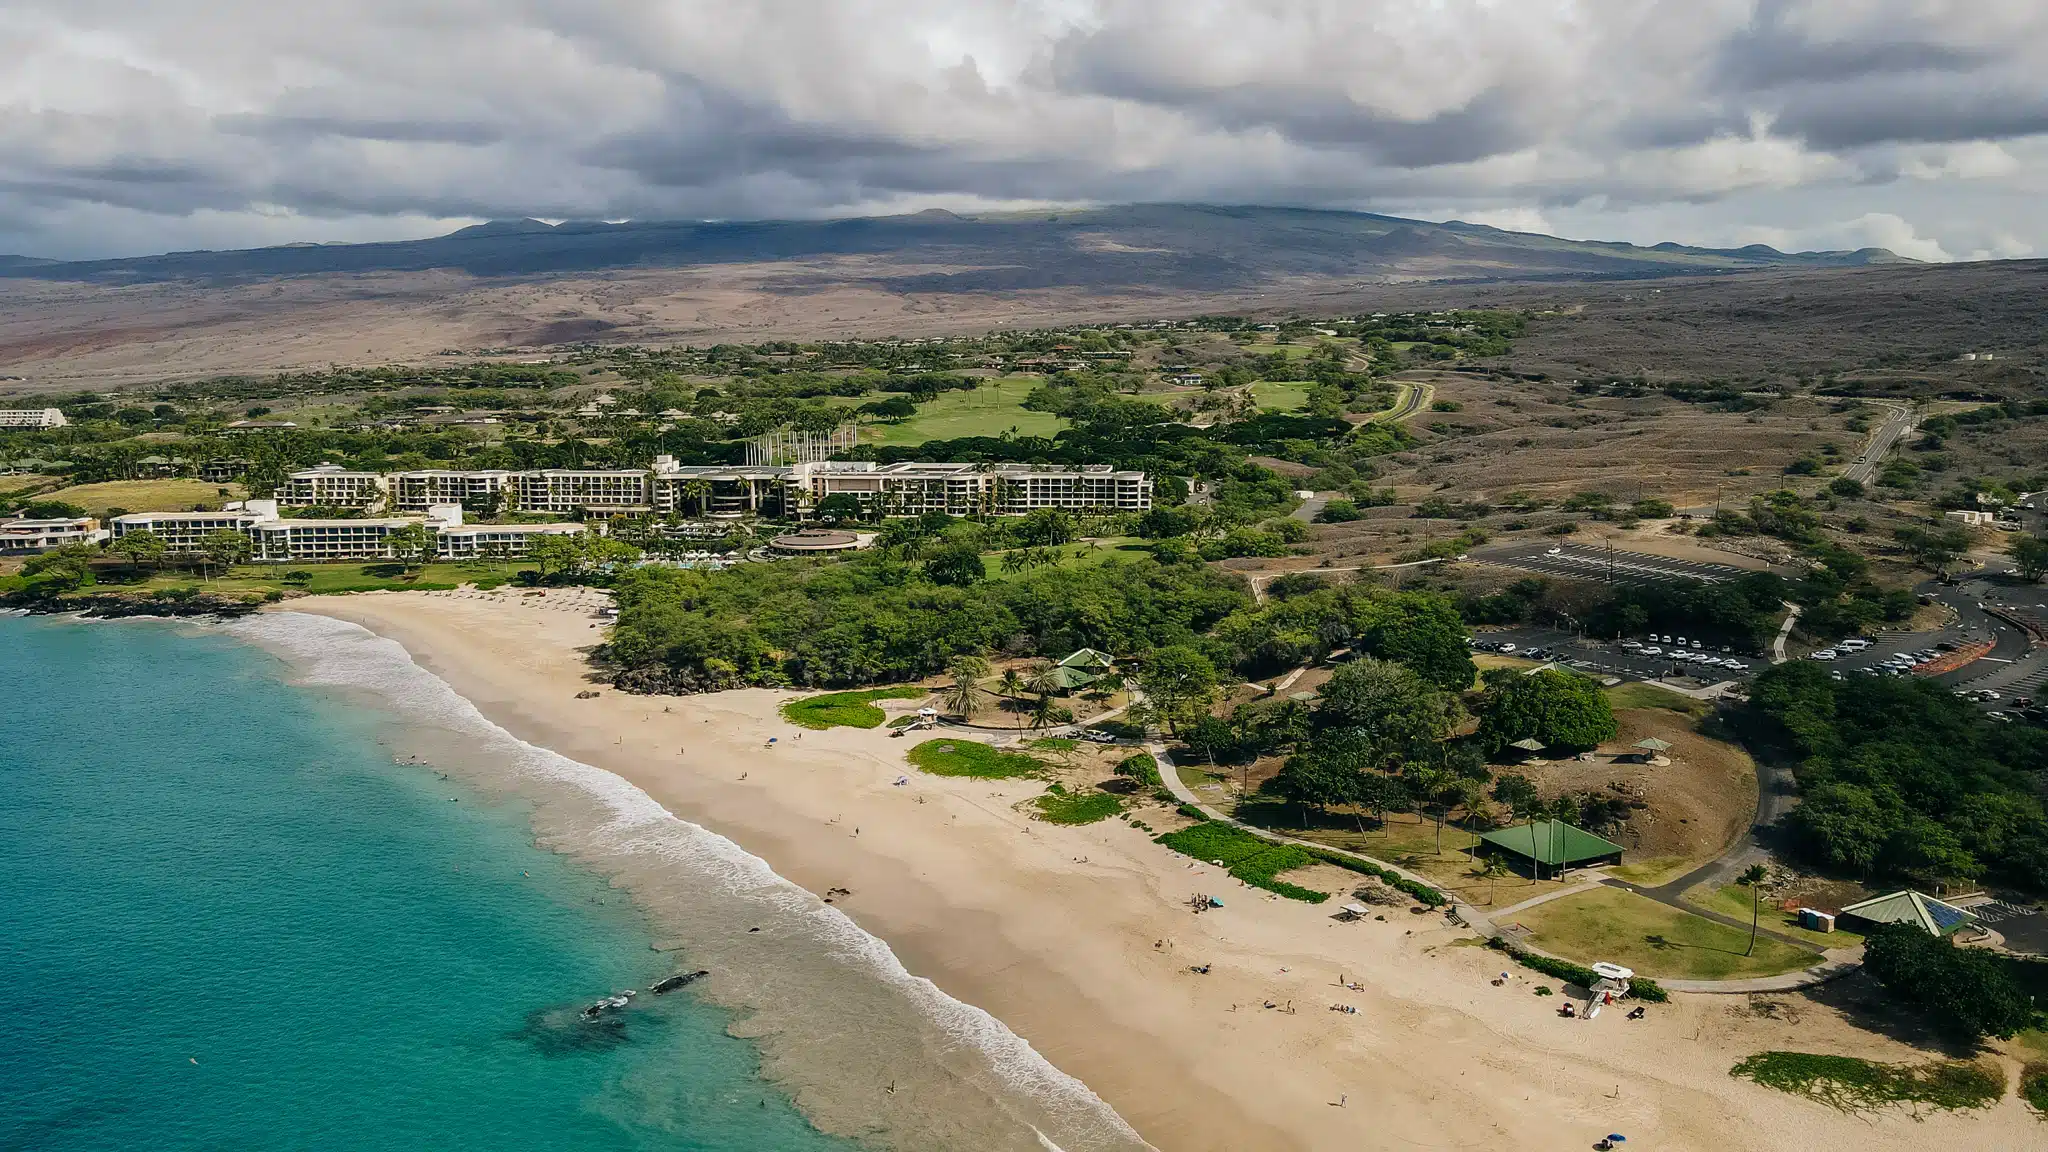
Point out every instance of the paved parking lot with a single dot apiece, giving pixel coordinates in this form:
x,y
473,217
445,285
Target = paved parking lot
x,y
1604,659
1590,562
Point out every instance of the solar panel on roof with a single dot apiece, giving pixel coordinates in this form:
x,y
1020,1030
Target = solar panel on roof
x,y
1946,916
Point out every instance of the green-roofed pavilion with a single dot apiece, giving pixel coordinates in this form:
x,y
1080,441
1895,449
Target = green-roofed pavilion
x,y
1552,844
1937,917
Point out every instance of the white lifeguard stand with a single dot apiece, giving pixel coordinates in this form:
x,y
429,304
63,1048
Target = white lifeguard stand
x,y
927,717
1612,978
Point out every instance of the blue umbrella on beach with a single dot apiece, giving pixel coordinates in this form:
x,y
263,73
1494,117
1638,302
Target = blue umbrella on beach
x,y
1617,1138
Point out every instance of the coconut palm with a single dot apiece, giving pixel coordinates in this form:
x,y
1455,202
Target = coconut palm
x,y
1011,686
1045,679
1753,876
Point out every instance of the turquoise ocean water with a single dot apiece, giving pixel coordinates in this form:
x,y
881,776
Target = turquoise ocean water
x,y
228,920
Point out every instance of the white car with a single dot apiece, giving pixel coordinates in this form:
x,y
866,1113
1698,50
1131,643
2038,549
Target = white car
x,y
1632,645
1507,647
1735,665
1696,645
1653,650
1853,645
1552,550
1826,654
1681,641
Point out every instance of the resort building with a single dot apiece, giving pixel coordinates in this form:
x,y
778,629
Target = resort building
x,y
32,418
912,489
718,492
332,486
181,532
419,491
495,541
24,537
568,490
277,541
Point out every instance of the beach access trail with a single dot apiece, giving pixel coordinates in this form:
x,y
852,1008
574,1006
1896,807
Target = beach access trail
x,y
1080,939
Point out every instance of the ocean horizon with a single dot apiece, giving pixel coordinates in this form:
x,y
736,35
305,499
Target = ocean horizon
x,y
270,884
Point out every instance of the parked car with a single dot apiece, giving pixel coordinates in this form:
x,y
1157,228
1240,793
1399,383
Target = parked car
x,y
1826,654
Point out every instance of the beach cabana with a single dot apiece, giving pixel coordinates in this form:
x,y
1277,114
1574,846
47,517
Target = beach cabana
x,y
1937,917
1550,846
1652,750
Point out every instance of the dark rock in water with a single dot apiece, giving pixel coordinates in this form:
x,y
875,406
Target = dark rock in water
x,y
565,1031
679,980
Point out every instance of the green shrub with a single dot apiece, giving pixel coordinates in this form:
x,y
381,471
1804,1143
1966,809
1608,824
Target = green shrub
x,y
1853,1084
971,758
1423,893
1192,812
1640,987
846,709
1059,806
1141,767
2034,1087
1257,862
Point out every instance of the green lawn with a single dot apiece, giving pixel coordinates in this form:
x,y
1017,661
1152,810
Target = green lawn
x,y
1625,696
1281,395
990,410
847,709
1654,939
328,578
146,495
944,757
1079,554
1733,900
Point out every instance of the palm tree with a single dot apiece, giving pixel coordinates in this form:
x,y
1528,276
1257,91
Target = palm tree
x,y
1045,679
1432,784
1045,714
1011,686
1490,870
1753,876
965,693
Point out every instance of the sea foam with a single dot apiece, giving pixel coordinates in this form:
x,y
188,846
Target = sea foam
x,y
1044,1107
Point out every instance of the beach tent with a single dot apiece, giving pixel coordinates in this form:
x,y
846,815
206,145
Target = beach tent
x,y
1551,845
1937,917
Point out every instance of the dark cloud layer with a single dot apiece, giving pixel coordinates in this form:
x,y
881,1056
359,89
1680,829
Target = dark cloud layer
x,y
1917,123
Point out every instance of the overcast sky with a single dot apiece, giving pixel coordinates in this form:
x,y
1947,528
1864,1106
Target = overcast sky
x,y
1917,125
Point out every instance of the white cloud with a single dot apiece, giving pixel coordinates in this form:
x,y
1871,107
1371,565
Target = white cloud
x,y
133,127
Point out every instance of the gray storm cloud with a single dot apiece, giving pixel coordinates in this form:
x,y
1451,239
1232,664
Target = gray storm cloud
x,y
1914,123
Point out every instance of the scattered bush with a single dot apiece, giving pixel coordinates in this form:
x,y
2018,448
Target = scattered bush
x,y
971,758
1639,987
1249,858
1058,806
846,709
1853,1084
1141,767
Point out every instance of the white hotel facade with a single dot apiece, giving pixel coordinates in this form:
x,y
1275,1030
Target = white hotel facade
x,y
276,540
731,491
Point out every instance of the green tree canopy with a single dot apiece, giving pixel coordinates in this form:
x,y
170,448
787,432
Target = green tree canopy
x,y
1560,709
1966,994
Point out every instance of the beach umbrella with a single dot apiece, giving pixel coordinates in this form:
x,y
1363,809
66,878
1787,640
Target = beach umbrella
x,y
1617,1138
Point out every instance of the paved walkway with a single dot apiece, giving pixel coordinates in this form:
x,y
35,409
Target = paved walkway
x,y
1778,645
1835,962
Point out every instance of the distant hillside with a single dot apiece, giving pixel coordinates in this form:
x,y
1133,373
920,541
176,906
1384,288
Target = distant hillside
x,y
1153,246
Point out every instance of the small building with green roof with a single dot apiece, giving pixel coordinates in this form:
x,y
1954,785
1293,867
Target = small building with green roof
x,y
1937,917
1551,845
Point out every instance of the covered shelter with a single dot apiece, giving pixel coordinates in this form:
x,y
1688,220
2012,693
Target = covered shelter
x,y
1082,667
1529,746
1551,845
1652,750
1936,917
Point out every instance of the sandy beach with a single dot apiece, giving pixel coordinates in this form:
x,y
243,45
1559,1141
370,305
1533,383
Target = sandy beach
x,y
1080,941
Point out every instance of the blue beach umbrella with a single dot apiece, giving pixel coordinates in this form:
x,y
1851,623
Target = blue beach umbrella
x,y
1617,1138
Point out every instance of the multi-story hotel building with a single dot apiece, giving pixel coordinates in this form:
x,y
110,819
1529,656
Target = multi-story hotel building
x,y
32,418
181,532
568,490
495,541
331,486
966,489
276,541
419,491
21,537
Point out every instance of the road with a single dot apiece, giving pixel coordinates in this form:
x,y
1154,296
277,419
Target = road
x,y
1412,399
1864,468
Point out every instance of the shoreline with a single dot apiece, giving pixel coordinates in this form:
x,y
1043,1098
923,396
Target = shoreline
x,y
1077,940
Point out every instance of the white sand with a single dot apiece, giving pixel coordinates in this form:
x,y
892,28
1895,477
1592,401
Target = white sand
x,y
998,911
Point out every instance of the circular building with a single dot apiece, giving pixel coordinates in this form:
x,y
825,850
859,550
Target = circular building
x,y
813,541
